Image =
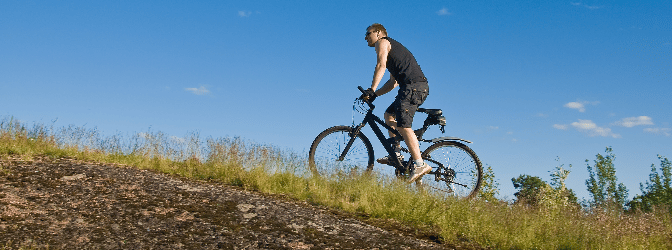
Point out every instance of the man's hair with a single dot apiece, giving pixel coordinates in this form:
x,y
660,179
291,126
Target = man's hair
x,y
377,27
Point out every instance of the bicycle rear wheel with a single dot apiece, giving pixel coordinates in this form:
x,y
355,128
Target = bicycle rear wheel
x,y
456,170
328,147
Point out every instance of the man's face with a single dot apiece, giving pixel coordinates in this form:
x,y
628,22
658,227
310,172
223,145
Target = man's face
x,y
371,38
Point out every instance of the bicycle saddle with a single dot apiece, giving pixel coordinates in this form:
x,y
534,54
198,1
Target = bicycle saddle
x,y
432,112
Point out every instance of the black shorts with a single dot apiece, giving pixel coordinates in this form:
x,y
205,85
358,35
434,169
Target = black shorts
x,y
409,98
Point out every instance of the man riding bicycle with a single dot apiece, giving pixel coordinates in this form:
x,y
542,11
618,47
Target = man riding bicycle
x,y
413,90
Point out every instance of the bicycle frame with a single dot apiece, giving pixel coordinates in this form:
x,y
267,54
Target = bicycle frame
x,y
373,121
453,163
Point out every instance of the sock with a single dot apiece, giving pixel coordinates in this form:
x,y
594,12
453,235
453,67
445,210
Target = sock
x,y
419,162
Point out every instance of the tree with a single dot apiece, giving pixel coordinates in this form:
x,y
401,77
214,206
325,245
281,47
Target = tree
x,y
602,183
658,189
489,186
529,188
535,192
560,192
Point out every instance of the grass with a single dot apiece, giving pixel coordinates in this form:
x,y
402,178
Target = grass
x,y
234,161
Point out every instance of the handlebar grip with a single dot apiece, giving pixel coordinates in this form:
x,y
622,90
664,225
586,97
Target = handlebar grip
x,y
361,89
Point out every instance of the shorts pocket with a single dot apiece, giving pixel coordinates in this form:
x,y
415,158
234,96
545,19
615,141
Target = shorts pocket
x,y
419,96
405,94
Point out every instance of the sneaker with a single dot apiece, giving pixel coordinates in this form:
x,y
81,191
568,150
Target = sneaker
x,y
419,171
386,160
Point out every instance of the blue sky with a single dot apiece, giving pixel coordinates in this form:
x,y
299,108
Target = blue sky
x,y
528,82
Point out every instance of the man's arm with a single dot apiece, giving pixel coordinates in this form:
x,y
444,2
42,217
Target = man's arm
x,y
383,48
387,87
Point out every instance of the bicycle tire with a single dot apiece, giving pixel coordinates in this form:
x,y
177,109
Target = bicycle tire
x,y
328,147
461,172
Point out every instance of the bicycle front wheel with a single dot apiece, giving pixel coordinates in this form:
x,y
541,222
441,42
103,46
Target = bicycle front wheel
x,y
335,151
456,170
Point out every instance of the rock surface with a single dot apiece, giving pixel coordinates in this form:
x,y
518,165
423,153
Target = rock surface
x,y
68,204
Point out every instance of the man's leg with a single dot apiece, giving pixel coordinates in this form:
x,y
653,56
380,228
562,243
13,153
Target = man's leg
x,y
408,102
390,121
408,134
411,142
421,168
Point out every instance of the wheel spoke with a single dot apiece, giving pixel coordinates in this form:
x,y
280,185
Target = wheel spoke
x,y
456,169
326,155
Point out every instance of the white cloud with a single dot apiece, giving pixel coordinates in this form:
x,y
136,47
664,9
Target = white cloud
x,y
580,106
590,7
443,12
634,121
242,13
584,125
589,127
202,90
576,105
659,131
560,126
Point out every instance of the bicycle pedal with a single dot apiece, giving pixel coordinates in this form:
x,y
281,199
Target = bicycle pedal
x,y
386,160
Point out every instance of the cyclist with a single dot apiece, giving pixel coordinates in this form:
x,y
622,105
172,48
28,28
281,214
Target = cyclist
x,y
413,90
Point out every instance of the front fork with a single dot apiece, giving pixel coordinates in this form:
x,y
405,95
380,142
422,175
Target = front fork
x,y
353,135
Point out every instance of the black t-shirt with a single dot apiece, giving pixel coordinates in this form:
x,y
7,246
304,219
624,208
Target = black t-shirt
x,y
402,64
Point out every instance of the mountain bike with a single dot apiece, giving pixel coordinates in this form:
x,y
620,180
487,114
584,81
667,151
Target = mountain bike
x,y
456,169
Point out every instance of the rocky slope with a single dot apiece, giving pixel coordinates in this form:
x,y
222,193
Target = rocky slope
x,y
68,204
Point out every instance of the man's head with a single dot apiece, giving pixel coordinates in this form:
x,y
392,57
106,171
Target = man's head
x,y
374,32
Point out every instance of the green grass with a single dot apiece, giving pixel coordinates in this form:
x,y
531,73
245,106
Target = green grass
x,y
234,161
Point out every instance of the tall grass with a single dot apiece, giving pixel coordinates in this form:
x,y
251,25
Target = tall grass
x,y
234,161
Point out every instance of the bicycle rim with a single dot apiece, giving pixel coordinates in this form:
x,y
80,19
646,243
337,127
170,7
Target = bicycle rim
x,y
456,170
328,148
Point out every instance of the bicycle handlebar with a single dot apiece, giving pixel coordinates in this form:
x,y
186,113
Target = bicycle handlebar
x,y
364,92
361,89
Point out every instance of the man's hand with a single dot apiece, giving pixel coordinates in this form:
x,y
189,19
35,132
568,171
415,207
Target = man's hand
x,y
368,96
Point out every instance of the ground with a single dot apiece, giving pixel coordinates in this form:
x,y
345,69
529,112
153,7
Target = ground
x,y
68,204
